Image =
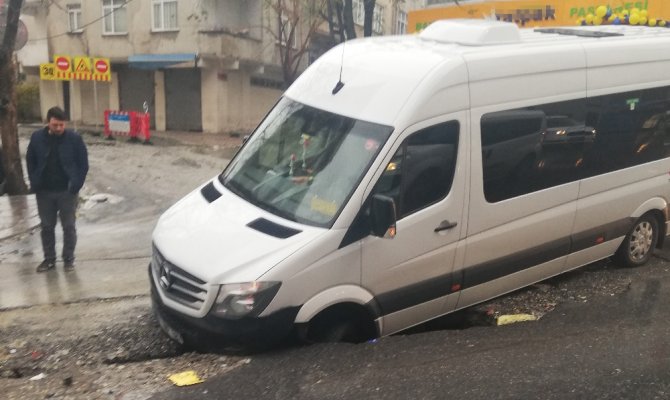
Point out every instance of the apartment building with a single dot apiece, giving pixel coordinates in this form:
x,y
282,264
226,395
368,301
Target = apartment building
x,y
199,65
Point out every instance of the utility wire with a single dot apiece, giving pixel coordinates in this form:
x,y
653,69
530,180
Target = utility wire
x,y
83,26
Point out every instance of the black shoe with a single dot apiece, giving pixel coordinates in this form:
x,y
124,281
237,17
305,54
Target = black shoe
x,y
46,265
69,266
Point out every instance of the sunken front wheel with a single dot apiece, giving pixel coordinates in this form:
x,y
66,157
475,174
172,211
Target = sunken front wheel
x,y
640,242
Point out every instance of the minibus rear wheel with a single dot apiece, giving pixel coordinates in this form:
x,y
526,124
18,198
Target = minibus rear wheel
x,y
639,243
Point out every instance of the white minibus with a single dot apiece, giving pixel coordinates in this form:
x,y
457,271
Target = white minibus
x,y
403,178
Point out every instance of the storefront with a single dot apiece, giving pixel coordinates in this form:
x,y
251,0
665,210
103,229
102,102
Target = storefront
x,y
533,13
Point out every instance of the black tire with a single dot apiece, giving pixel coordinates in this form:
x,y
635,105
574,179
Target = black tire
x,y
339,325
333,332
639,244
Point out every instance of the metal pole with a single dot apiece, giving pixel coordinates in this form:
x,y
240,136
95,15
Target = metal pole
x,y
95,102
73,102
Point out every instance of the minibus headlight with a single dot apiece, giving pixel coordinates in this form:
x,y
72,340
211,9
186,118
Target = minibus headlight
x,y
237,300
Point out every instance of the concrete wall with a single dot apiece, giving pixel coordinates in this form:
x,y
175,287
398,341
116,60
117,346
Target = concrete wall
x,y
51,94
214,86
194,23
263,100
231,39
159,104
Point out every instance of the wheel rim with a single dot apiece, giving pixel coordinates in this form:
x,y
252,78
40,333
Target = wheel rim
x,y
641,240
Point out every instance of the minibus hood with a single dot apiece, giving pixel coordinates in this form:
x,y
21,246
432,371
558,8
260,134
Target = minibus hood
x,y
214,242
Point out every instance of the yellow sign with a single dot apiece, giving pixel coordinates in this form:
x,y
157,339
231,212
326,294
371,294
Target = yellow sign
x,y
532,13
63,69
63,66
102,70
82,64
63,63
48,72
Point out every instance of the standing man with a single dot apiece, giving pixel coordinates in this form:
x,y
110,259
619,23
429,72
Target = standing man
x,y
57,163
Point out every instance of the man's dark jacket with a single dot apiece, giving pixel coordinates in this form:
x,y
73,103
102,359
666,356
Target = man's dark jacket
x,y
73,158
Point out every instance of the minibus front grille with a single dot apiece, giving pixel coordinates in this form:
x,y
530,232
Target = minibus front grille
x,y
178,284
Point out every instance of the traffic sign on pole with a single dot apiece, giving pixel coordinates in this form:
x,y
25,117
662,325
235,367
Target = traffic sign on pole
x,y
101,69
63,63
82,69
48,72
63,67
82,64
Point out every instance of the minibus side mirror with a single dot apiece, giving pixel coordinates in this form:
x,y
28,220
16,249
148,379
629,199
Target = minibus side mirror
x,y
382,216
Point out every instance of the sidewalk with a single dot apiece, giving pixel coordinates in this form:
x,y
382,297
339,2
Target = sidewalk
x,y
112,257
18,214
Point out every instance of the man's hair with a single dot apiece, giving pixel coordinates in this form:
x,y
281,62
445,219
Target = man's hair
x,y
57,113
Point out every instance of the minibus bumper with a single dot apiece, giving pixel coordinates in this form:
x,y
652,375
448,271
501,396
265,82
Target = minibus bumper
x,y
211,333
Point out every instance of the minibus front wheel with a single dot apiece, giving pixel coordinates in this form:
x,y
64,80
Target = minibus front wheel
x,y
639,243
341,323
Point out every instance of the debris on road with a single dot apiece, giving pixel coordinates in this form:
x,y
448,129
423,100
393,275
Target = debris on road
x,y
38,377
185,378
98,198
514,318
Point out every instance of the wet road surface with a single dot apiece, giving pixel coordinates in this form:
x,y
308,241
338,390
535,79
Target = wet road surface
x,y
607,348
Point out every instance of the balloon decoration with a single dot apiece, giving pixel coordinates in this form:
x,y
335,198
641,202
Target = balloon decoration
x,y
604,15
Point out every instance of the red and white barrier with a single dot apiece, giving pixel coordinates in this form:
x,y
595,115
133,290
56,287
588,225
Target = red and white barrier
x,y
127,123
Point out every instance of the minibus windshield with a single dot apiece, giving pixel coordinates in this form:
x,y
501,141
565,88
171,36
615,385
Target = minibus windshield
x,y
303,163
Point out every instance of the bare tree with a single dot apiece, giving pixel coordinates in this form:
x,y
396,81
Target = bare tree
x,y
8,126
369,8
346,19
340,19
294,17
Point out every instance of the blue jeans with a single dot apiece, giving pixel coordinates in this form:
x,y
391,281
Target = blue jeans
x,y
50,205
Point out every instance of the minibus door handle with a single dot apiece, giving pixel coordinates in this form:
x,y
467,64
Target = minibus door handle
x,y
445,225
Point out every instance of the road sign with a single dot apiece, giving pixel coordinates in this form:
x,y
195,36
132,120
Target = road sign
x,y
119,122
48,72
63,69
21,36
63,63
102,70
101,65
82,64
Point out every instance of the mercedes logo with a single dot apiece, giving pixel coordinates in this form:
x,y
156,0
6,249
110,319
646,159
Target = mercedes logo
x,y
166,277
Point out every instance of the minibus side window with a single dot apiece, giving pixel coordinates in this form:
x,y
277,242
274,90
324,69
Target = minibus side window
x,y
578,139
529,149
633,128
422,169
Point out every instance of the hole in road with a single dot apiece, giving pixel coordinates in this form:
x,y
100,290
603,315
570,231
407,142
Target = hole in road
x,y
459,320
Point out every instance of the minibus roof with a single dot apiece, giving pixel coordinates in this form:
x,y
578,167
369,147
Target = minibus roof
x,y
394,79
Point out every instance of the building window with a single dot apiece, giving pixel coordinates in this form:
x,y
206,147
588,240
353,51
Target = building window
x,y
378,20
74,17
115,17
401,24
377,16
164,15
